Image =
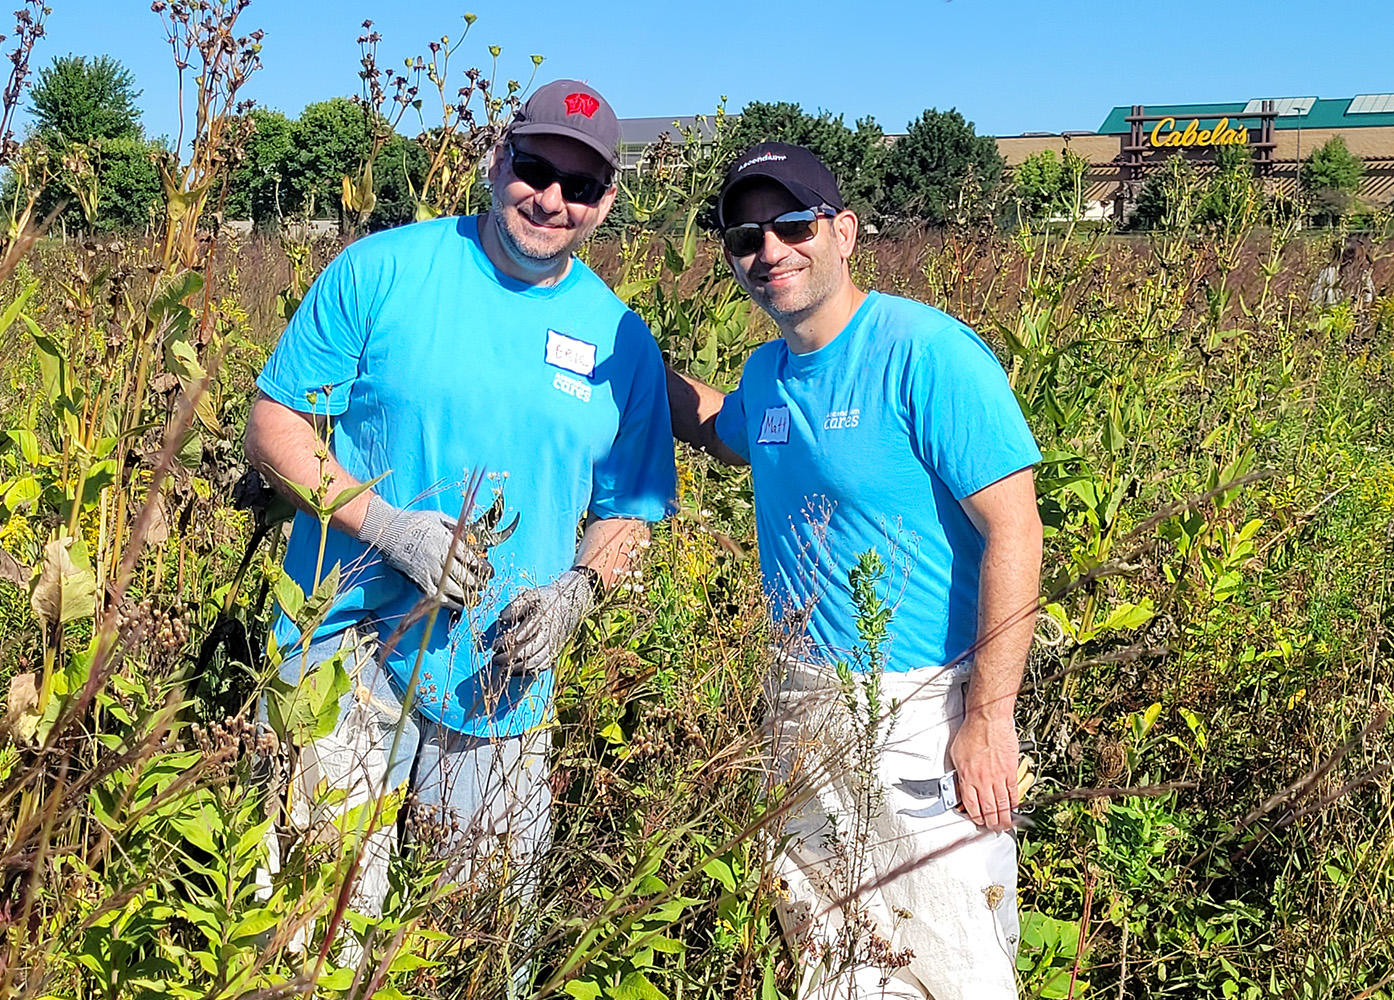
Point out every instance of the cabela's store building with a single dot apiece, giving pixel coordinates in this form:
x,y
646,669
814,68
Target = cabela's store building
x,y
1280,133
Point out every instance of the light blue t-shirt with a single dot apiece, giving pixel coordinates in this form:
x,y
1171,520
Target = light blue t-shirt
x,y
870,442
433,363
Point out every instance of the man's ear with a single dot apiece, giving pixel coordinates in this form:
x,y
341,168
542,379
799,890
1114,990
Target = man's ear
x,y
607,200
845,232
495,164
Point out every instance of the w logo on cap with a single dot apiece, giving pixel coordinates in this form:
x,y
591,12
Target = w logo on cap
x,y
581,104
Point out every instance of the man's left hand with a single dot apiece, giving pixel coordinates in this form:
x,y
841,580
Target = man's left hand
x,y
984,754
537,623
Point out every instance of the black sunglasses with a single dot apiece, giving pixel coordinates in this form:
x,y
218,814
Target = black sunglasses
x,y
539,174
790,228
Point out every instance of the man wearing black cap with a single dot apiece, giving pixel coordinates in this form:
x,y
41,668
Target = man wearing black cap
x,y
877,425
436,349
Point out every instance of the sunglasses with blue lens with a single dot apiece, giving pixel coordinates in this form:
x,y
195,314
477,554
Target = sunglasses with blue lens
x,y
790,228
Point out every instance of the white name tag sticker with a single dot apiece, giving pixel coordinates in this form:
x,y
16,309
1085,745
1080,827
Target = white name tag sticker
x,y
774,428
570,354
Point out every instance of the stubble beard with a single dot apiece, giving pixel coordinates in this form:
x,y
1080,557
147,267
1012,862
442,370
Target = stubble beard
x,y
522,248
794,304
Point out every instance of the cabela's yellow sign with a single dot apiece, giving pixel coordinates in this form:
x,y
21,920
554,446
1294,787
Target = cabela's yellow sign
x,y
1165,133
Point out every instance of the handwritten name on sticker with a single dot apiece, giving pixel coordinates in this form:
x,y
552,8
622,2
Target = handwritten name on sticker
x,y
571,354
774,428
572,387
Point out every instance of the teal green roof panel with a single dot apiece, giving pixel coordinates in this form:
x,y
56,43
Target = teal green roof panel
x,y
1329,113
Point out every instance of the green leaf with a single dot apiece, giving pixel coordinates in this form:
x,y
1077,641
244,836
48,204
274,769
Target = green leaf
x,y
407,961
24,490
346,496
11,313
308,710
65,589
53,367
170,298
317,605
190,453
28,444
1194,724
338,980
196,823
613,734
582,989
666,945
637,986
101,475
289,595
1129,616
721,871
254,923
768,989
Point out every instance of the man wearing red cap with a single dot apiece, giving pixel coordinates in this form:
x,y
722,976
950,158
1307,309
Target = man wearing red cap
x,y
877,425
428,352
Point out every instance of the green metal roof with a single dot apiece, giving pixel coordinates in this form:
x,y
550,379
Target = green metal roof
x,y
1324,114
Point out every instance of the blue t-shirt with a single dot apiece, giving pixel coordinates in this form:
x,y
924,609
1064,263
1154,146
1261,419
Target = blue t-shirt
x,y
870,442
432,363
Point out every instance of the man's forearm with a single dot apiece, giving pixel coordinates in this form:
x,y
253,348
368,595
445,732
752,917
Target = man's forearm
x,y
984,750
1008,591
610,546
694,406
285,446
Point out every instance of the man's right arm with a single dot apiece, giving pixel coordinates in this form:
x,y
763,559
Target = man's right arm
x,y
694,406
285,445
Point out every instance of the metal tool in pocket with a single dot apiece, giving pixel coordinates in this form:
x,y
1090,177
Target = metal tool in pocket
x,y
941,793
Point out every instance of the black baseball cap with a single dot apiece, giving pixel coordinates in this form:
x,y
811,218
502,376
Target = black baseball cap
x,y
574,110
791,167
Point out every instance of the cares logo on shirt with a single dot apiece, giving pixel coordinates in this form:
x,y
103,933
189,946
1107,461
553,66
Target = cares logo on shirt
x,y
840,419
774,428
572,387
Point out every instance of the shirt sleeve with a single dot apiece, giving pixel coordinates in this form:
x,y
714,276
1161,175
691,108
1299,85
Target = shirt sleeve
x,y
637,478
964,416
319,354
731,426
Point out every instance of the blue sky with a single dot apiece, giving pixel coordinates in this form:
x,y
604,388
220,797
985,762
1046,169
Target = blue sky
x,y
1008,65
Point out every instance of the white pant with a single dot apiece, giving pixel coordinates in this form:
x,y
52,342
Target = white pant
x,y
488,802
882,903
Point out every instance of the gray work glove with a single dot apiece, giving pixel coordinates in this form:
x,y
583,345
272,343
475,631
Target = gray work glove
x,y
416,544
537,623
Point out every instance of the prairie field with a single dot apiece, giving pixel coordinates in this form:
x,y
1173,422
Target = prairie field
x,y
1208,702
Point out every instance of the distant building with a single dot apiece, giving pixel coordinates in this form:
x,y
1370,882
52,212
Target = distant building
x,y
1280,132
638,134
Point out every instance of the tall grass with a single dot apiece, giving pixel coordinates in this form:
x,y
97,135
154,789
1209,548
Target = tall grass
x,y
1209,699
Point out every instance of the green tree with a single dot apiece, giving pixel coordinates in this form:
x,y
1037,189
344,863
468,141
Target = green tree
x,y
1163,193
854,156
117,181
400,169
940,170
1330,178
1048,186
1181,192
85,112
80,100
331,140
1231,194
128,185
260,187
